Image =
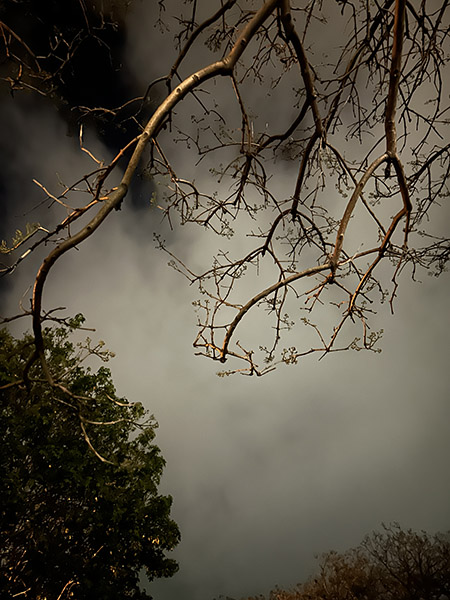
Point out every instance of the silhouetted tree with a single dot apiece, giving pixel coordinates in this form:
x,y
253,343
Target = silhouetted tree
x,y
390,565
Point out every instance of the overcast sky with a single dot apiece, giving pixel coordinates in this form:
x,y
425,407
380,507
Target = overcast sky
x,y
265,472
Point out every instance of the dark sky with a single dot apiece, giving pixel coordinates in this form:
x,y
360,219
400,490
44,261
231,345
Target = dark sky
x,y
265,473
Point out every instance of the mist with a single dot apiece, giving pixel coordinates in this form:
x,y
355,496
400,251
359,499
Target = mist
x,y
268,472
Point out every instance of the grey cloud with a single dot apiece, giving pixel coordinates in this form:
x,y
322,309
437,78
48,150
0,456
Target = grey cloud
x,y
265,473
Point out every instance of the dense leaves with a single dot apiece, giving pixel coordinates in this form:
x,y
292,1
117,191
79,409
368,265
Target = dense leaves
x,y
73,525
389,565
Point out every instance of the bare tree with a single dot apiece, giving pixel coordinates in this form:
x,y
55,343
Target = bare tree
x,y
330,160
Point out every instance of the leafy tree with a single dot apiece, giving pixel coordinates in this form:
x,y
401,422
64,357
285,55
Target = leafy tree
x,y
389,565
329,156
76,523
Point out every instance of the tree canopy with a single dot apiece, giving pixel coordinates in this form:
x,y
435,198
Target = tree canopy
x,y
313,133
76,522
393,564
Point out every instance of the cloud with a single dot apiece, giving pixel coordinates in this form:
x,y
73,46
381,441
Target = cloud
x,y
267,472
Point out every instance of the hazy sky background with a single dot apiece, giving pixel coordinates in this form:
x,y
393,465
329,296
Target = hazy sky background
x,y
265,473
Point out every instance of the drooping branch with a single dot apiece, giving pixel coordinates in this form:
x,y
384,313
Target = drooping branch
x,y
114,199
351,207
394,79
311,98
391,147
270,290
293,37
369,90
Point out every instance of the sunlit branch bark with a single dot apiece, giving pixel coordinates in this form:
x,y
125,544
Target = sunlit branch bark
x,y
114,199
351,207
394,78
293,37
391,58
354,63
4,27
270,290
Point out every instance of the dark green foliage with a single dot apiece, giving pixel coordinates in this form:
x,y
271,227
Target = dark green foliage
x,y
70,521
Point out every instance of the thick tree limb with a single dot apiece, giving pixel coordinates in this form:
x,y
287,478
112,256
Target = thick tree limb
x,y
221,67
270,290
